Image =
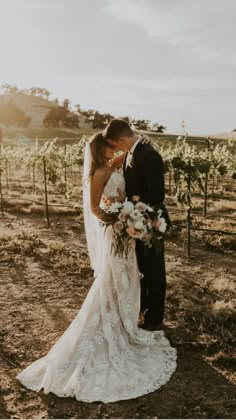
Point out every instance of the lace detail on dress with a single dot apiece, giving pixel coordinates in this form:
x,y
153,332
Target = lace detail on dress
x,y
103,355
116,180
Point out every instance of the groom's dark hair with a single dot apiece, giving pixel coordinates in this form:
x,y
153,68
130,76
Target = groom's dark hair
x,y
117,128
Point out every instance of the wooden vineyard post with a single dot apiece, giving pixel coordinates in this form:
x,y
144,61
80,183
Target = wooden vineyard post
x,y
188,223
33,167
1,197
188,218
36,146
65,168
170,181
45,191
213,186
6,170
205,195
206,185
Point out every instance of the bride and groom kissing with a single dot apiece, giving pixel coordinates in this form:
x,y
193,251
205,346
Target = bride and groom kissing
x,y
105,355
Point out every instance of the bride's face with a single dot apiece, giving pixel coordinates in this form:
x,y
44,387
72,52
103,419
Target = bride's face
x,y
109,152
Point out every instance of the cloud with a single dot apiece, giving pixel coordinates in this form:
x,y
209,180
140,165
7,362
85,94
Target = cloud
x,y
177,22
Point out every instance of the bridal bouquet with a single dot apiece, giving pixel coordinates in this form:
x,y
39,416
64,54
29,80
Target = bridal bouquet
x,y
136,221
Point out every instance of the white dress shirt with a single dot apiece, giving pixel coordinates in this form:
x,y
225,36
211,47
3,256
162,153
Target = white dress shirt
x,y
130,153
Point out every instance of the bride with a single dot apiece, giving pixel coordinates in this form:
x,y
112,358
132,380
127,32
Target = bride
x,y
103,355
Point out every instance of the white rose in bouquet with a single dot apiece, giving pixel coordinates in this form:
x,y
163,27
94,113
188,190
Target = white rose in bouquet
x,y
128,207
136,215
141,206
123,216
163,225
114,207
130,222
138,225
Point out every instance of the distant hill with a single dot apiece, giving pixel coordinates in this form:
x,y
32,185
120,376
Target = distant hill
x,y
33,106
37,108
231,135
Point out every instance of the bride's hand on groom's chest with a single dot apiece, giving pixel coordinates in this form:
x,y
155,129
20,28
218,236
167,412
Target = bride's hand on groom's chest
x,y
120,197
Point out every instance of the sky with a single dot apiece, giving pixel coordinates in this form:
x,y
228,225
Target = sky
x,y
162,60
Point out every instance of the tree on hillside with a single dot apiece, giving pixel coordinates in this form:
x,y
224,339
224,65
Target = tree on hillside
x,y
158,128
141,124
41,92
46,93
89,115
9,88
101,120
72,120
25,91
59,116
66,104
55,117
34,91
11,115
78,108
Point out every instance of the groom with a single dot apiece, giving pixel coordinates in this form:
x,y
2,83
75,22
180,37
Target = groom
x,y
144,177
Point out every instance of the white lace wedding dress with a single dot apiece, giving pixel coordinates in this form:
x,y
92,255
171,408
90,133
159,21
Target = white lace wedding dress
x,y
103,355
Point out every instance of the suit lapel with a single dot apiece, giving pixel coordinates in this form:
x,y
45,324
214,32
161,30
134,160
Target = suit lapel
x,y
124,163
137,149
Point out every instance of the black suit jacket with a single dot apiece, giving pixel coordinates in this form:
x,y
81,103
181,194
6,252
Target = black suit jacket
x,y
146,177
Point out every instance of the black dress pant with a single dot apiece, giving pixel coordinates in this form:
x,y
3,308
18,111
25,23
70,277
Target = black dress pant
x,y
151,264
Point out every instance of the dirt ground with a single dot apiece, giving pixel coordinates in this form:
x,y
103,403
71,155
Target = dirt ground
x,y
44,278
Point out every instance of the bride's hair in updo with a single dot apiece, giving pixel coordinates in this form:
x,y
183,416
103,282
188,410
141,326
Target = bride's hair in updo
x,y
98,146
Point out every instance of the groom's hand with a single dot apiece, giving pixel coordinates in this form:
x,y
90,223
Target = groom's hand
x,y
121,197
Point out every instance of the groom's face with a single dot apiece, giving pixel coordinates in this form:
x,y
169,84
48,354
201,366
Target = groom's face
x,y
120,144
